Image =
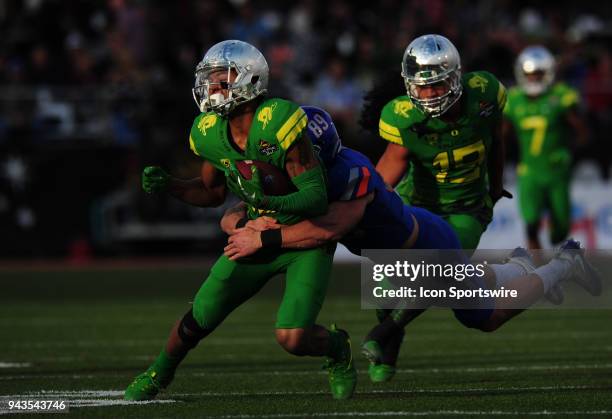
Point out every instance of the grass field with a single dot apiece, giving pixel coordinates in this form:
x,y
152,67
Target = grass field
x,y
82,335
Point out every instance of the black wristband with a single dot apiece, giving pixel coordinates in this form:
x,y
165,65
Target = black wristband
x,y
272,239
242,222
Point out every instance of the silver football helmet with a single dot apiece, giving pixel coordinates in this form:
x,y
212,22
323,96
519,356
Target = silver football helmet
x,y
245,61
432,59
535,60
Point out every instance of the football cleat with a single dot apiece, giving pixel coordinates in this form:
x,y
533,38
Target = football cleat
x,y
146,386
341,370
372,351
381,373
582,272
521,256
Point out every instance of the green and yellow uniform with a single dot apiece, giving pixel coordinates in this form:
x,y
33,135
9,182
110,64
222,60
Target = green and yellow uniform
x,y
545,159
448,173
277,124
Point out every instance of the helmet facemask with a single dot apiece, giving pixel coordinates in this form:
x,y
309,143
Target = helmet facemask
x,y
242,89
236,71
435,106
538,86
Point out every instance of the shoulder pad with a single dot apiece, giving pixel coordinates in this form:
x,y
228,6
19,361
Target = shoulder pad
x,y
568,95
202,125
398,114
486,85
281,119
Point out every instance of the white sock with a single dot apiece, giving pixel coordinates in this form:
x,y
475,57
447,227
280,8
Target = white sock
x,y
507,272
554,271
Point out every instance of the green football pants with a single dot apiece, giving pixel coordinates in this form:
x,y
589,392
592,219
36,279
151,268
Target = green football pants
x,y
468,229
231,283
537,195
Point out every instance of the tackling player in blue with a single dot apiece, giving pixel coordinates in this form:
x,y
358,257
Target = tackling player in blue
x,y
364,213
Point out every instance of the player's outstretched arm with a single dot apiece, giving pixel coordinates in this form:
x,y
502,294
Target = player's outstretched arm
x,y
341,218
208,190
393,164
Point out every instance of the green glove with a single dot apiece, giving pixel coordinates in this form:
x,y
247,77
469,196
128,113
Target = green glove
x,y
154,179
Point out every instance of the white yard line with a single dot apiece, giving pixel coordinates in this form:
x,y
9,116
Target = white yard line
x,y
105,398
88,394
15,364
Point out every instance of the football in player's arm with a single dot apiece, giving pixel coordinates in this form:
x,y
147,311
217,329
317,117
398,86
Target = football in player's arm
x,y
238,123
538,113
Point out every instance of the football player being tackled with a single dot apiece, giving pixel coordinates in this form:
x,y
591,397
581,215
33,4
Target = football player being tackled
x,y
539,112
365,214
237,122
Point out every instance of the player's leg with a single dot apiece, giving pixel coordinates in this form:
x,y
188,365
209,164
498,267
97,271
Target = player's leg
x,y
531,204
568,263
296,331
560,210
468,229
228,285
382,344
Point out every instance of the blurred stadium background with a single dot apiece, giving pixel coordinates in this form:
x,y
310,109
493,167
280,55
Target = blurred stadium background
x,y
92,91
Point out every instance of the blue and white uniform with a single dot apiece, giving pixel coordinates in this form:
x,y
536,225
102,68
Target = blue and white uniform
x,y
387,222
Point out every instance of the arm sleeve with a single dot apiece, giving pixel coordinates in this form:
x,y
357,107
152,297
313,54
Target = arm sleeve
x,y
309,200
358,184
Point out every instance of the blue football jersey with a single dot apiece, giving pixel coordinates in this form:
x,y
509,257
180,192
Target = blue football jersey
x,y
386,223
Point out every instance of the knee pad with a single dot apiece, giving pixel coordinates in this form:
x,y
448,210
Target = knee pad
x,y
532,231
190,331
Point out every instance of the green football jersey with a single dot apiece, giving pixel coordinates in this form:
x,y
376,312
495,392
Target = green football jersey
x,y
449,160
541,128
277,124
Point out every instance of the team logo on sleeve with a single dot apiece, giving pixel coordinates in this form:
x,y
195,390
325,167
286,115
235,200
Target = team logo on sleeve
x,y
401,107
478,82
265,115
266,148
207,122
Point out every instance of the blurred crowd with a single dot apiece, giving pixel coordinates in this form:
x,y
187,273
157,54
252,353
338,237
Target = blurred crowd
x,y
94,90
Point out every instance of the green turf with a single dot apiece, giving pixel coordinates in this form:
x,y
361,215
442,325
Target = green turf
x,y
95,330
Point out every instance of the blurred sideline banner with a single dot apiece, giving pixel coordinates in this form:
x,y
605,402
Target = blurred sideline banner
x,y
591,221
